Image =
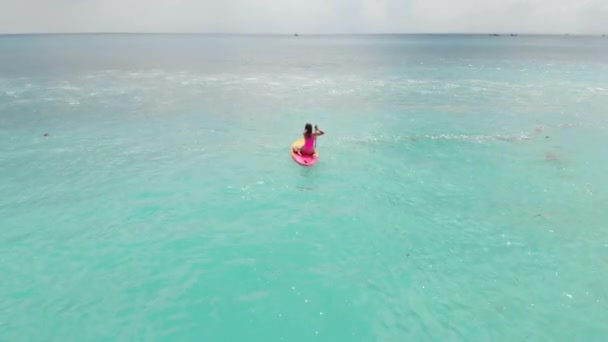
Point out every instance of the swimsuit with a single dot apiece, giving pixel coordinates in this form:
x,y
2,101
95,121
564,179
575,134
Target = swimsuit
x,y
309,144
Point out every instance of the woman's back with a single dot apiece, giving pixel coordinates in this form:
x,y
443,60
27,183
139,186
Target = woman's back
x,y
309,141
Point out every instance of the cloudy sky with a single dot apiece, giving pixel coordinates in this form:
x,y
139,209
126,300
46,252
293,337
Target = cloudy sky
x,y
305,16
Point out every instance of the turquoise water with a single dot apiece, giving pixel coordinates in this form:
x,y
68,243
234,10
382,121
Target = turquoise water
x,y
460,193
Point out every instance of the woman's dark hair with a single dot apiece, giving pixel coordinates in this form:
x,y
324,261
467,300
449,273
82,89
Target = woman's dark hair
x,y
308,129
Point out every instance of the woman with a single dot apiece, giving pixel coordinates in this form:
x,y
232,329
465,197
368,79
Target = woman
x,y
310,138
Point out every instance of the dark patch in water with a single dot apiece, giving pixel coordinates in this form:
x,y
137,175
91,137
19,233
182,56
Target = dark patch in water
x,y
550,156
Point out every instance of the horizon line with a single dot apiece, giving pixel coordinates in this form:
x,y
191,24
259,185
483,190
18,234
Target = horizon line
x,y
503,33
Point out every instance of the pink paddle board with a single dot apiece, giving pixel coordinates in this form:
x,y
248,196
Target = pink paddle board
x,y
303,159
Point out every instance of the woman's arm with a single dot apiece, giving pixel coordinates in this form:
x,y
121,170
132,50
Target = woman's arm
x,y
318,131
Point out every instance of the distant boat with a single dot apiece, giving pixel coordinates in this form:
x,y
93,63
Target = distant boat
x,y
513,35
296,35
494,35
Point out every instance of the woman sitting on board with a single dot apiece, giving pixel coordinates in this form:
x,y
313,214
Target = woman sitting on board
x,y
310,138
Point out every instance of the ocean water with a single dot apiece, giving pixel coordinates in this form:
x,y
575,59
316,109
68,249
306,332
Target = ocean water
x,y
461,192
